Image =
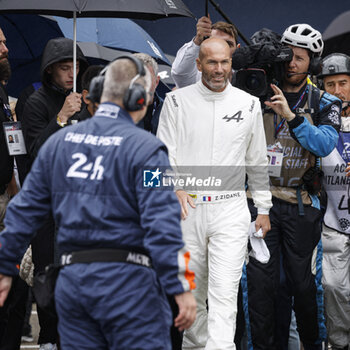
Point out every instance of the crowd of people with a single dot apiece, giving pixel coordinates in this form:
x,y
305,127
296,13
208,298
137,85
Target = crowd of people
x,y
250,253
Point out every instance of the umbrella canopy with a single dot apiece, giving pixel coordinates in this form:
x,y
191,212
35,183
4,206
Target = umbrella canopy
x,y
337,35
140,9
104,55
118,33
164,72
26,37
98,54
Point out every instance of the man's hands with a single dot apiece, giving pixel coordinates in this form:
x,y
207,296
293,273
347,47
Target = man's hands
x,y
187,310
279,104
203,30
5,286
263,222
184,198
347,170
71,105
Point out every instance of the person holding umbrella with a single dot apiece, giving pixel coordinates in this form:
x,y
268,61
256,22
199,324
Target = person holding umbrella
x,y
184,70
336,223
46,111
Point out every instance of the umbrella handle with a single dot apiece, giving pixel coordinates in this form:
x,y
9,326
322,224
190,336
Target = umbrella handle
x,y
222,13
206,8
74,51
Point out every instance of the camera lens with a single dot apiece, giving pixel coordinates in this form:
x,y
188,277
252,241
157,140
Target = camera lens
x,y
253,82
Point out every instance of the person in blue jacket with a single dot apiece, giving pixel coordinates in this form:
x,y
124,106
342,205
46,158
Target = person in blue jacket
x,y
120,243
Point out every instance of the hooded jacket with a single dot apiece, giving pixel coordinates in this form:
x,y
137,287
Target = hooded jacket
x,y
42,107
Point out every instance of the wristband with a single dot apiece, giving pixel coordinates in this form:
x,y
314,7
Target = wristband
x,y
61,124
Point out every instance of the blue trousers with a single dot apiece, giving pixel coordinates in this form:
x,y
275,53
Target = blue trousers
x,y
114,306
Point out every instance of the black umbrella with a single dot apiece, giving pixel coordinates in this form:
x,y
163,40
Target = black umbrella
x,y
337,35
137,9
104,55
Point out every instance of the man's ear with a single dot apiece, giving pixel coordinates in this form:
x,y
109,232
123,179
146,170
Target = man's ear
x,y
49,69
84,94
157,82
199,65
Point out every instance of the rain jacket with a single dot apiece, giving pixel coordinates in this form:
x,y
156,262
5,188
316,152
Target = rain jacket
x,y
42,107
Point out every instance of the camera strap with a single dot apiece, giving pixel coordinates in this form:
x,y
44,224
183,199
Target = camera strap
x,y
314,97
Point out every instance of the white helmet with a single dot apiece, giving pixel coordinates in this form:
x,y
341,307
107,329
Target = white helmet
x,y
304,36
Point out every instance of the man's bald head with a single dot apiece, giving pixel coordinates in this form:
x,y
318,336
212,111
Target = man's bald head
x,y
213,44
214,61
118,77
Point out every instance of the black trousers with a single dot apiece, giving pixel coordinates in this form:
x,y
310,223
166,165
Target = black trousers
x,y
295,237
43,255
12,315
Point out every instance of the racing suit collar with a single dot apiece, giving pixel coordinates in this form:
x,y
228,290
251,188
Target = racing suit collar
x,y
112,110
211,95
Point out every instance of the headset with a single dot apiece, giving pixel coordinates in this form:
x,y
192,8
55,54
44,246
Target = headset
x,y
315,66
134,98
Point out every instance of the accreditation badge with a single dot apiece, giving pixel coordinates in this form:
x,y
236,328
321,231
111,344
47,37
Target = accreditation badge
x,y
14,138
275,159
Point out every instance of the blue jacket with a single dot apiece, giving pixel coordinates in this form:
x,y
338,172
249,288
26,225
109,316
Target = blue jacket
x,y
90,176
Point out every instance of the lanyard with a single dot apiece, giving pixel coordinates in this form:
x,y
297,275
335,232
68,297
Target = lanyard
x,y
281,123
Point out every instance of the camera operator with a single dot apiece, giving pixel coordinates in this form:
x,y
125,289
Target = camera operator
x,y
301,124
184,70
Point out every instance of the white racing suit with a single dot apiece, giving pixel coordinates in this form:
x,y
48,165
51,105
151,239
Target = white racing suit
x,y
336,241
221,134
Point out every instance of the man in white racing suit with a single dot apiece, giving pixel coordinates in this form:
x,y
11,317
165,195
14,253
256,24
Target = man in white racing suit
x,y
213,128
184,70
336,223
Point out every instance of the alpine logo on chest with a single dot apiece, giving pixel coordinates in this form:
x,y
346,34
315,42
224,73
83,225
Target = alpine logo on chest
x,y
236,117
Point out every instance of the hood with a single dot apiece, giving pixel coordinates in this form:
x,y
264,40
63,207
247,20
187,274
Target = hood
x,y
60,49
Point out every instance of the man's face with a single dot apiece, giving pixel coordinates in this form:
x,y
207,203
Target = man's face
x,y
5,70
299,64
215,33
62,74
3,48
338,85
215,66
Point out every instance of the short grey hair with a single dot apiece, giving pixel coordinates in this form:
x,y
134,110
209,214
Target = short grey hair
x,y
147,61
118,77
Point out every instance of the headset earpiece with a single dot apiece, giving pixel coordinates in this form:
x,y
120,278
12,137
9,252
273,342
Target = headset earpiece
x,y
134,98
315,66
96,88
